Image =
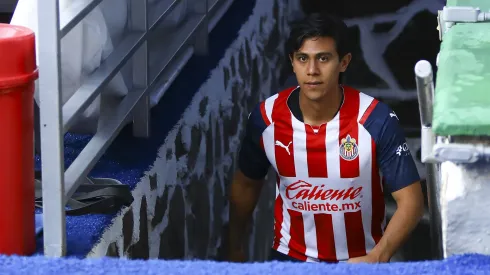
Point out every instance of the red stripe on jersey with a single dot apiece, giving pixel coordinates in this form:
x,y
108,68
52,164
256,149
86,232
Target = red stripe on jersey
x,y
297,246
297,255
355,234
316,151
264,114
378,211
283,136
348,135
325,237
368,111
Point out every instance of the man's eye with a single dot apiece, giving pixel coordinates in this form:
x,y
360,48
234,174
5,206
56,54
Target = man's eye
x,y
302,58
323,58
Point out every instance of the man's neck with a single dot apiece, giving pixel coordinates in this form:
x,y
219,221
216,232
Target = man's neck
x,y
316,113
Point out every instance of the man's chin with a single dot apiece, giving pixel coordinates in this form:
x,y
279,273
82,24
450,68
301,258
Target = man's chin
x,y
314,95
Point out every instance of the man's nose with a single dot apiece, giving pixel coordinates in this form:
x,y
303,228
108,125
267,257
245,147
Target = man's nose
x,y
312,68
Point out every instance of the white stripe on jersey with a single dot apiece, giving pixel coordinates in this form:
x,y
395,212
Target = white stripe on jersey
x,y
269,105
300,160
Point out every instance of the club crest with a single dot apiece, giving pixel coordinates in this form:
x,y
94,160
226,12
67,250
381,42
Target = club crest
x,y
348,148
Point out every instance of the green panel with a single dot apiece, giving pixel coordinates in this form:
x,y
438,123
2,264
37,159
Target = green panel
x,y
462,95
484,5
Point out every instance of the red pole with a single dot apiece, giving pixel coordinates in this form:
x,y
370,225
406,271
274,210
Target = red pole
x,y
18,73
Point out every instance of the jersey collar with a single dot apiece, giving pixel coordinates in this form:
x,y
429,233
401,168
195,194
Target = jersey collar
x,y
293,104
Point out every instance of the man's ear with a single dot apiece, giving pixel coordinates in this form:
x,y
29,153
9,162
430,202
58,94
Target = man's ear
x,y
344,62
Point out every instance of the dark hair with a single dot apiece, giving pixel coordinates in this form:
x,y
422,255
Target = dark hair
x,y
318,25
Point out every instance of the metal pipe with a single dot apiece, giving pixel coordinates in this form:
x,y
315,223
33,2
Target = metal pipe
x,y
425,92
52,142
433,184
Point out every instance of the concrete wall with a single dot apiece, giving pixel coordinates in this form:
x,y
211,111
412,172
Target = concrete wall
x,y
180,208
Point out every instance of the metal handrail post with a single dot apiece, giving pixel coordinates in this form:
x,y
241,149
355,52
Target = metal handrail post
x,y
425,92
138,21
52,148
202,37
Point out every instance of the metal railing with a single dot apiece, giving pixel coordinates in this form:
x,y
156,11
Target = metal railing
x,y
57,118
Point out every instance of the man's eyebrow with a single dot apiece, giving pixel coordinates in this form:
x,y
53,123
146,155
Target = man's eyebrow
x,y
317,54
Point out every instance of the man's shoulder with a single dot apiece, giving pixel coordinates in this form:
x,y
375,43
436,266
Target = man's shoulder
x,y
379,119
263,110
280,96
376,111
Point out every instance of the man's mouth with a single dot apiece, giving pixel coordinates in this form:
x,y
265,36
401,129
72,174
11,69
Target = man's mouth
x,y
313,83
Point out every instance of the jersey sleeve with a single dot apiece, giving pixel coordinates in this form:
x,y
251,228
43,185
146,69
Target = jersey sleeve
x,y
252,160
393,155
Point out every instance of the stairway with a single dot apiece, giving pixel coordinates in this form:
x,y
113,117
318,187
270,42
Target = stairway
x,y
122,156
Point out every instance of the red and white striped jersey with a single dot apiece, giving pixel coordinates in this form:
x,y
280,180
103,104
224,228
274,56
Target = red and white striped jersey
x,y
329,196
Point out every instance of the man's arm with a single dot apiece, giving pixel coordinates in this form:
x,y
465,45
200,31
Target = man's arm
x,y
410,207
244,194
253,166
401,180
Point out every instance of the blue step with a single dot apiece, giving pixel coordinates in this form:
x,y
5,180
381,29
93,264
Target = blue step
x,y
457,265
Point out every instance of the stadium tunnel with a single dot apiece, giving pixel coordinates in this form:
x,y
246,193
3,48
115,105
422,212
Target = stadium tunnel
x,y
178,175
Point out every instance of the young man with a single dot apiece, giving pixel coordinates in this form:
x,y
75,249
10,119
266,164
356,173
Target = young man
x,y
335,151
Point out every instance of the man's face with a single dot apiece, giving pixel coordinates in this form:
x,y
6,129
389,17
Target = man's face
x,y
317,66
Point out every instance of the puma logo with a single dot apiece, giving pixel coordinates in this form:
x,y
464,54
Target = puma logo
x,y
280,144
394,115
